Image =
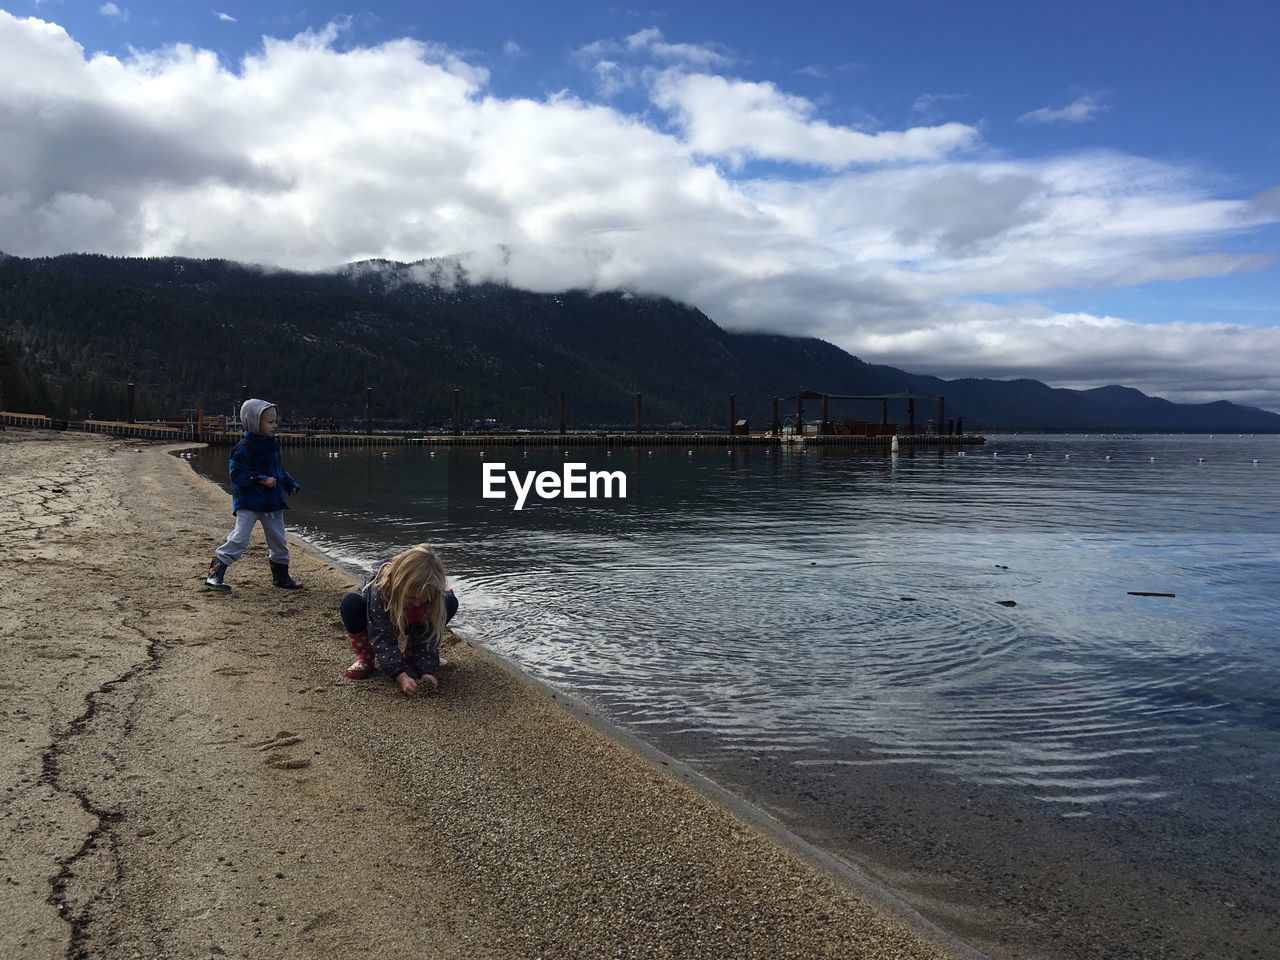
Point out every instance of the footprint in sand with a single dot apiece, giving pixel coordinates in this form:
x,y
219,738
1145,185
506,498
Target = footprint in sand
x,y
284,738
277,760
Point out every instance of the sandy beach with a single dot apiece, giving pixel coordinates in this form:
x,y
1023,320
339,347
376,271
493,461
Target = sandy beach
x,y
188,774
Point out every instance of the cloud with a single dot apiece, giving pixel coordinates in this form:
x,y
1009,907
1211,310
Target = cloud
x,y
225,17
1080,110
1082,351
926,105
114,12
633,61
904,247
650,41
511,49
742,119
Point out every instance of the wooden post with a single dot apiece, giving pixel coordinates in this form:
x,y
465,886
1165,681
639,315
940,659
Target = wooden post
x,y
911,416
959,426
132,389
941,412
638,420
244,392
733,416
199,423
884,413
457,413
800,412
368,411
776,426
562,420
822,428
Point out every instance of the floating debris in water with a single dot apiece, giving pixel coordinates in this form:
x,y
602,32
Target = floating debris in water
x,y
1145,593
908,599
1001,566
1007,603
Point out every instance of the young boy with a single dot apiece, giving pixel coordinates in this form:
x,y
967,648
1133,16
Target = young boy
x,y
258,485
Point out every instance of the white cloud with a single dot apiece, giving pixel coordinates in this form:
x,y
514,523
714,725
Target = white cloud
x,y
741,119
1080,110
307,156
511,49
633,61
1184,362
114,12
650,41
928,105
225,17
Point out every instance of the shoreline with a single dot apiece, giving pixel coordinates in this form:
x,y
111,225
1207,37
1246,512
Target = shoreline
x,y
739,806
192,771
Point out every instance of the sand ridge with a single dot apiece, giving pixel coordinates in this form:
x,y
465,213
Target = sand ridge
x,y
188,774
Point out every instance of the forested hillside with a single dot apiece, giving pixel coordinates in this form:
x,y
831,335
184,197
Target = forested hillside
x,y
190,332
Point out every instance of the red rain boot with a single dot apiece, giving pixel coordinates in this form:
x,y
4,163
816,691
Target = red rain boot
x,y
363,665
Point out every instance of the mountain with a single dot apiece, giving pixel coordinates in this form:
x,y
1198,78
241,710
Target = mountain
x,y
190,332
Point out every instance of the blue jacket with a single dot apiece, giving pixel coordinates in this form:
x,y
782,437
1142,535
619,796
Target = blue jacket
x,y
255,458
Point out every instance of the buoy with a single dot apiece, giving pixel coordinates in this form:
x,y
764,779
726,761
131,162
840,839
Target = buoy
x,y
1028,456
1108,458
1151,459
1066,456
1255,463
691,453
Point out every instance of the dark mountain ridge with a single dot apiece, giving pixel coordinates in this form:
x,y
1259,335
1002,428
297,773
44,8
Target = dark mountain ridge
x,y
189,332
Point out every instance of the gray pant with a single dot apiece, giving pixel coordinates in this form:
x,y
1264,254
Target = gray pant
x,y
272,529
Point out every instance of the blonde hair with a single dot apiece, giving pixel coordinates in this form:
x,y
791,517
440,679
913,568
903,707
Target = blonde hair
x,y
410,579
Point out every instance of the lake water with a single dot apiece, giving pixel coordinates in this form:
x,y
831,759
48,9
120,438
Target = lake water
x,y
826,630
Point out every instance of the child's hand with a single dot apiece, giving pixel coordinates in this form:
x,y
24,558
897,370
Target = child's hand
x,y
268,482
408,685
431,682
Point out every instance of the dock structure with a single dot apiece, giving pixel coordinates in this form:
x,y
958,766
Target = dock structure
x,y
222,431
192,432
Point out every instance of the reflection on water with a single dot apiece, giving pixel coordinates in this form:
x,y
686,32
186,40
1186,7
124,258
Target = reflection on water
x,y
842,609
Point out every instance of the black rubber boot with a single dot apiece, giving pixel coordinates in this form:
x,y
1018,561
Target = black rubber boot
x,y
280,577
217,569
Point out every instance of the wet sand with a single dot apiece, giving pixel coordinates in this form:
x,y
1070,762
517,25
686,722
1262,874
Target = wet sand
x,y
187,774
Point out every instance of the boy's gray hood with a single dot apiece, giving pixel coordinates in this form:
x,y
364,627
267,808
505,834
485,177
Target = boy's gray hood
x,y
251,412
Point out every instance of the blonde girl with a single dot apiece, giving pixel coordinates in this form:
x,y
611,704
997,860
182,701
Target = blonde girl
x,y
407,599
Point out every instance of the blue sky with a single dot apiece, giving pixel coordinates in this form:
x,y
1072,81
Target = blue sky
x,y
991,189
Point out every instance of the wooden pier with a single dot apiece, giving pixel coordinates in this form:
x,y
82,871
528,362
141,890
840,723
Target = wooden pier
x,y
600,438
